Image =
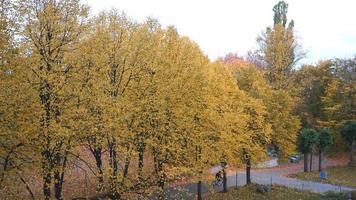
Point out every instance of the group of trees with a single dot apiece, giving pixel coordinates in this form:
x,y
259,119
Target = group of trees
x,y
321,95
326,94
309,140
139,106
266,76
145,103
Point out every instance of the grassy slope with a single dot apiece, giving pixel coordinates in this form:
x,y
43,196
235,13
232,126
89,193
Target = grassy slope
x,y
277,193
344,175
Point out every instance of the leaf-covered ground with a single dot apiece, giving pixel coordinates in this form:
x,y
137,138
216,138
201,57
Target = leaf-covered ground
x,y
340,175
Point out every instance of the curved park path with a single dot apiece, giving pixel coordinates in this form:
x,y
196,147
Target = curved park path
x,y
276,175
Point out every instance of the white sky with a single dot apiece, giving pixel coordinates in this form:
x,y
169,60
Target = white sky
x,y
326,28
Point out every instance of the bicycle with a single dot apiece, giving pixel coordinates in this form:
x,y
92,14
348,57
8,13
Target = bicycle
x,y
218,180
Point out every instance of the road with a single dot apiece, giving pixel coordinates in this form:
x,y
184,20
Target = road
x,y
275,175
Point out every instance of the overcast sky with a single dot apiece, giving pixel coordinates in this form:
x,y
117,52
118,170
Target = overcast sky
x,y
326,28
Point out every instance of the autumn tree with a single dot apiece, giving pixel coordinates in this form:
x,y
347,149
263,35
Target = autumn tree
x,y
246,129
311,83
170,120
207,122
324,94
339,97
15,153
279,48
280,51
145,102
258,127
259,132
110,62
279,106
50,32
346,73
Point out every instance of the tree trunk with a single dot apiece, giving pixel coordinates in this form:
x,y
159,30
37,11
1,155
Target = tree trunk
x,y
351,156
161,195
200,197
113,162
97,152
60,161
114,194
197,159
320,159
352,162
159,173
305,162
248,171
47,186
57,185
95,148
113,157
224,179
127,163
311,162
141,151
27,187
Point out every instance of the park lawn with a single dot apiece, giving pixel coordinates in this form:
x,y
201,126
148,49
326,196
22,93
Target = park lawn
x,y
340,175
277,193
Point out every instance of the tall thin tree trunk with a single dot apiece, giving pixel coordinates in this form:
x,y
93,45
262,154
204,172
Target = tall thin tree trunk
x,y
113,193
351,154
311,162
161,195
96,150
57,177
159,173
113,158
248,171
61,163
97,153
27,187
57,186
127,164
47,172
305,162
200,196
141,151
47,186
224,179
320,159
197,159
161,182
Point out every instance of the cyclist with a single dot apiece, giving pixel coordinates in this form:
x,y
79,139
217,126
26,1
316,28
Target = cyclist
x,y
218,178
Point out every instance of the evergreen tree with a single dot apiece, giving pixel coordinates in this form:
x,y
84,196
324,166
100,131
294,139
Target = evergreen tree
x,y
306,141
348,132
324,141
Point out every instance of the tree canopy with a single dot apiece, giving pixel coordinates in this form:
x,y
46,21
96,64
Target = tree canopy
x,y
104,104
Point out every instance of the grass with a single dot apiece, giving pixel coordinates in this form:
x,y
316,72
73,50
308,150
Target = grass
x,y
277,193
341,175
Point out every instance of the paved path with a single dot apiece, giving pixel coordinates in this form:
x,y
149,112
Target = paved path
x,y
262,176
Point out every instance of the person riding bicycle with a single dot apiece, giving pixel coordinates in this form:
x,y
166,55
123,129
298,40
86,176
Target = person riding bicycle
x,y
218,178
218,175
